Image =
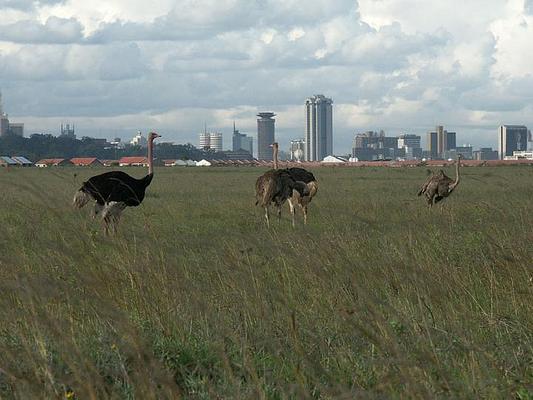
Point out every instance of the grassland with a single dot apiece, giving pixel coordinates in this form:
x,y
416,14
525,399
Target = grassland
x,y
378,297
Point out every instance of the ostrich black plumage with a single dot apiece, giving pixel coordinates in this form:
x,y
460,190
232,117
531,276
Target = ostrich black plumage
x,y
113,191
279,185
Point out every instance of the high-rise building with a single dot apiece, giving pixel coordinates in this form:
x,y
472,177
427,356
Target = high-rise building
x,y
16,129
318,127
440,141
405,140
7,128
215,141
432,144
265,135
68,131
410,146
374,146
205,141
242,142
211,141
139,140
297,150
4,121
511,138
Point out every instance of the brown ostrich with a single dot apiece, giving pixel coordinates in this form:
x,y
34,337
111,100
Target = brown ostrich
x,y
439,185
113,191
276,186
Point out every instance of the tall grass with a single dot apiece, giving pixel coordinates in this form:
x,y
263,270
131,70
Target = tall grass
x,y
378,297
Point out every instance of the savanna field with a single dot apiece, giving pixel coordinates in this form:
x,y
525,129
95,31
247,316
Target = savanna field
x,y
377,297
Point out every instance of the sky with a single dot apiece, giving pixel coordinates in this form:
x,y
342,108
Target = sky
x,y
113,67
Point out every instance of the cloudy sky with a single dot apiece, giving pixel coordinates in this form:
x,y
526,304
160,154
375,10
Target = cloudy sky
x,y
116,66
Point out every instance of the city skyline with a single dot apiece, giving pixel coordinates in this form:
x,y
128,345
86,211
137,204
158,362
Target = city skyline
x,y
113,69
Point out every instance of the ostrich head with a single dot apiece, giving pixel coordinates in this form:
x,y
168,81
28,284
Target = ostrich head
x,y
153,135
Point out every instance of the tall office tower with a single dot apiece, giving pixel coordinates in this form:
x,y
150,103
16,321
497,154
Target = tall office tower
x,y
205,141
432,144
68,131
440,141
318,127
265,135
242,142
215,141
4,121
406,140
511,138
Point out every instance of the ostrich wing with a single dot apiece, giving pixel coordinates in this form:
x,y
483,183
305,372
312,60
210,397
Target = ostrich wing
x,y
300,174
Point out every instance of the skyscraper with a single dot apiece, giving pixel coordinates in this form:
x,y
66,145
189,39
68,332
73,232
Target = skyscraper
x,y
4,121
215,141
265,135
242,142
511,138
440,141
318,127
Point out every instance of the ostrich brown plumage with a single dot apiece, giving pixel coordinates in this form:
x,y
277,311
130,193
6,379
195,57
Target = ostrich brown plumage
x,y
438,186
113,191
276,186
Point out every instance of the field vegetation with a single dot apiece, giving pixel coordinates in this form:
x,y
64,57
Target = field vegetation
x,y
377,297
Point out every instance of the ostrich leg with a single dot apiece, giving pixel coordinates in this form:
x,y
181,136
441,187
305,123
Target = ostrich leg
x,y
292,210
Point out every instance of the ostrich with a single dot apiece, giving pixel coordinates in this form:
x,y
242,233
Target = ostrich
x,y
277,186
113,191
301,176
438,186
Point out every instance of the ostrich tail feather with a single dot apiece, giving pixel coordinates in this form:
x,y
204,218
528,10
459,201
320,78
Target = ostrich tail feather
x,y
80,199
313,188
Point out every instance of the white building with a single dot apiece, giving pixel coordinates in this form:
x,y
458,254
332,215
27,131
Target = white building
x,y
334,160
318,127
297,150
512,138
139,140
211,141
520,155
216,141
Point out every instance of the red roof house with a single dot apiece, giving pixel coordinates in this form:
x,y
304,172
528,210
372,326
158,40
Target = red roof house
x,y
86,162
133,161
52,162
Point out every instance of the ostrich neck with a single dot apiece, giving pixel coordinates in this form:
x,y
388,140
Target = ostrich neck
x,y
275,157
150,156
457,172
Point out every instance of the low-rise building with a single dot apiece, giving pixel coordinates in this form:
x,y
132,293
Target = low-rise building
x,y
6,161
52,162
86,162
520,155
22,161
133,162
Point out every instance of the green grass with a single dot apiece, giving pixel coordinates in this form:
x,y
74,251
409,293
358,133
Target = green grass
x,y
378,297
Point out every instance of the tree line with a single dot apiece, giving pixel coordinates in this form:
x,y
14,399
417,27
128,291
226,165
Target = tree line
x,y
39,146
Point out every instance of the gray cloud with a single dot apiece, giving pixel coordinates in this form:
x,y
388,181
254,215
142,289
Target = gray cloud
x,y
54,30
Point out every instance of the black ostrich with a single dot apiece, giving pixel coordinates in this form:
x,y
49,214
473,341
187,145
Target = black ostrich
x,y
302,175
277,186
113,191
305,180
